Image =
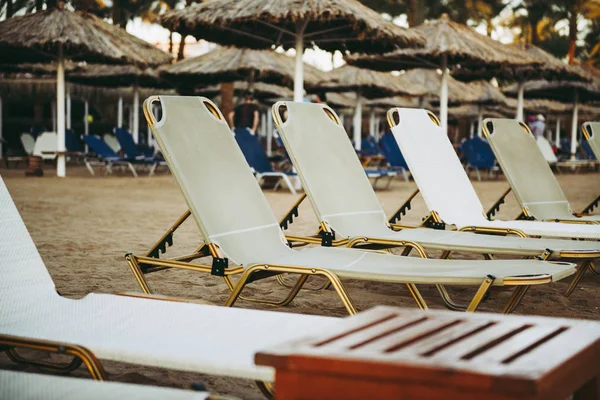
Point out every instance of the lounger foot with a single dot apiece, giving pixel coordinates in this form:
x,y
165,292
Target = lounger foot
x,y
80,355
515,299
266,389
578,275
448,301
138,273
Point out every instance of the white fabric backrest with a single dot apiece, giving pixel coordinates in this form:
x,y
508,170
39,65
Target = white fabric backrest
x,y
215,179
28,142
593,131
23,275
528,173
112,142
47,141
546,150
331,173
434,165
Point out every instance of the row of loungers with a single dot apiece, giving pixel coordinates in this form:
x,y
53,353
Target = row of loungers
x,y
239,227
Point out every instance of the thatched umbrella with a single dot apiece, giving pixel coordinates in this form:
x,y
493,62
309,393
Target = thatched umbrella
x,y
107,75
564,91
59,34
262,91
369,84
448,45
329,24
230,64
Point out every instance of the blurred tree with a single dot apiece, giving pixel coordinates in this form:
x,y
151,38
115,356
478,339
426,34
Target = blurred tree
x,y
591,47
573,11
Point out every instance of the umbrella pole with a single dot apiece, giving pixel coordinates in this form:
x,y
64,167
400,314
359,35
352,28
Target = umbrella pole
x,y
357,121
0,127
53,111
60,114
86,121
68,88
472,129
557,132
479,120
120,112
520,95
269,136
444,95
136,114
574,124
372,123
299,68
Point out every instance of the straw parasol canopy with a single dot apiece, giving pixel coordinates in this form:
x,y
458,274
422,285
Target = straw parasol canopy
x,y
453,45
106,75
429,80
59,34
230,64
329,24
261,90
366,83
394,101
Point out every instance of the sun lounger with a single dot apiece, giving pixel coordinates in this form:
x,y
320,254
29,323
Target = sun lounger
x,y
132,154
166,334
46,146
546,149
346,206
27,386
105,157
257,159
446,188
112,142
530,178
479,156
591,131
239,227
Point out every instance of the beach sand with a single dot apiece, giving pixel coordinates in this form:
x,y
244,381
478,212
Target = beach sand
x,y
84,225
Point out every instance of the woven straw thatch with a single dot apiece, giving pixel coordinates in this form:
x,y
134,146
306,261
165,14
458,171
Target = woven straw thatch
x,y
369,83
330,24
557,90
37,69
229,64
543,106
487,94
461,45
472,111
261,90
341,100
107,75
458,92
84,37
395,101
551,68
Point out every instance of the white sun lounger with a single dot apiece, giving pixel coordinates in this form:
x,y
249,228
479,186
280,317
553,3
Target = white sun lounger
x,y
528,173
591,131
346,205
181,336
46,146
447,191
27,386
238,225
546,149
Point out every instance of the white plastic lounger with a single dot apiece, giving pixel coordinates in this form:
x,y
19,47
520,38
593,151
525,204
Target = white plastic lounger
x,y
28,143
546,149
46,146
447,191
591,131
181,336
528,174
344,201
238,225
346,205
27,386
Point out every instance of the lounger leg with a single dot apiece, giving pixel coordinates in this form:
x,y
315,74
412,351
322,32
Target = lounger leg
x,y
287,181
448,301
266,388
137,272
515,299
81,353
293,293
108,169
335,282
152,169
89,168
593,268
14,355
483,289
405,175
132,169
478,174
283,283
578,275
412,288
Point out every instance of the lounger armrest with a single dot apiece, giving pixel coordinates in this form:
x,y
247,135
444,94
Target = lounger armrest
x,y
493,231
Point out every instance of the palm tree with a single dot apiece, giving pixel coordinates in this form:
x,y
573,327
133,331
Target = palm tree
x,y
573,10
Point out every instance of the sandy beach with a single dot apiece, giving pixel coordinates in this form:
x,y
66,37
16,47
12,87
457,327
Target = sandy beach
x,y
84,225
